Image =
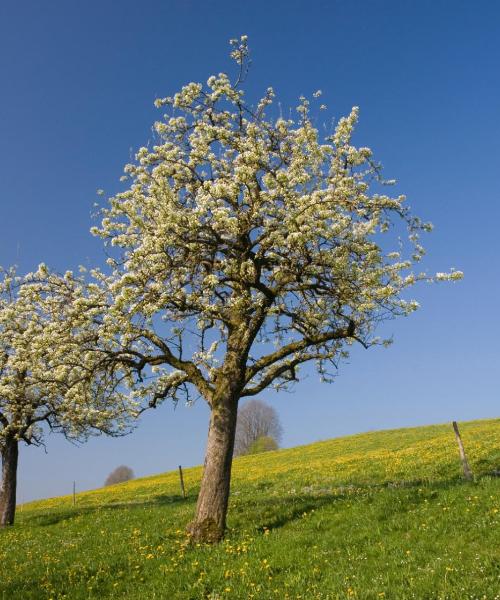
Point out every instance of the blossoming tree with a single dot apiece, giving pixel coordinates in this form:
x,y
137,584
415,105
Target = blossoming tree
x,y
46,337
247,246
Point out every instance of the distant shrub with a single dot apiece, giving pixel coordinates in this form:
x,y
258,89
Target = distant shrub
x,y
263,444
119,475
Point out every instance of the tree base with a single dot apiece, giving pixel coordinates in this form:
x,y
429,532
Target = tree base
x,y
8,482
205,532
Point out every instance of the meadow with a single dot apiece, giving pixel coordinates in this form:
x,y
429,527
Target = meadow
x,y
382,515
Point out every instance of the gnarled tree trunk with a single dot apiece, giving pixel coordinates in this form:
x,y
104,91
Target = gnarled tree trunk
x,y
209,523
10,454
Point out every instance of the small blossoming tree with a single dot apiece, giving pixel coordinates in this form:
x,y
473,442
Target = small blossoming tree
x,y
45,362
249,245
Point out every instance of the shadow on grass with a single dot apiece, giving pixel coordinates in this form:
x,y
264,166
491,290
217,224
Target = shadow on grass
x,y
55,515
291,510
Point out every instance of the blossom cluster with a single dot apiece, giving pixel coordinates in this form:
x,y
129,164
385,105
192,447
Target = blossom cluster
x,y
47,350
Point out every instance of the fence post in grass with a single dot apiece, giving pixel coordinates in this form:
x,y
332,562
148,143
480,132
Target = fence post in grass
x,y
463,457
182,482
74,493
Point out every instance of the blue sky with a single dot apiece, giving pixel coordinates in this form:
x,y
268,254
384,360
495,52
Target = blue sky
x,y
78,84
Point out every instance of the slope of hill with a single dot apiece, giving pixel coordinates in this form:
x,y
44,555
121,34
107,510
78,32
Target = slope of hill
x,y
374,515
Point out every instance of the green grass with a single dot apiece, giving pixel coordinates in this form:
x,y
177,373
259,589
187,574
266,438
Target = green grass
x,y
375,515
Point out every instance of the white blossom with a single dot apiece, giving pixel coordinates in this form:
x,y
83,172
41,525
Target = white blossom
x,y
47,348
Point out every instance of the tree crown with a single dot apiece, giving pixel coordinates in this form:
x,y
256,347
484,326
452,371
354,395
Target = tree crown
x,y
119,475
245,233
46,355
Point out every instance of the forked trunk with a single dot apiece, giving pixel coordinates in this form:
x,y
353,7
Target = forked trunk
x,y
10,453
209,523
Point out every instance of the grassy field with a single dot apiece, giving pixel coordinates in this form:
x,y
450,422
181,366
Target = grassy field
x,y
370,516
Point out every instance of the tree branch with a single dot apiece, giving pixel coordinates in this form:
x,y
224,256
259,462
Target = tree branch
x,y
298,346
193,373
177,381
278,371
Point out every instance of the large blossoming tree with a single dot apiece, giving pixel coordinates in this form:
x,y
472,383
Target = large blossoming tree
x,y
248,244
48,379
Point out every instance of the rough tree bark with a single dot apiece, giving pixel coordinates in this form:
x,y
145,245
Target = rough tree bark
x,y
10,454
209,522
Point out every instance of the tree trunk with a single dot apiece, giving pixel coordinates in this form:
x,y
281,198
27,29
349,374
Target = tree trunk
x,y
463,457
10,454
209,522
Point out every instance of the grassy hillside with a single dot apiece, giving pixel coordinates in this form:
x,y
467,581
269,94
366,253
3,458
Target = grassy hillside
x,y
375,515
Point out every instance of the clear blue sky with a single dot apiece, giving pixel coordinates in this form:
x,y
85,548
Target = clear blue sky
x,y
78,80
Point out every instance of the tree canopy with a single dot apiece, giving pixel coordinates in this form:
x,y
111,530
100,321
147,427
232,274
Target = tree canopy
x,y
239,223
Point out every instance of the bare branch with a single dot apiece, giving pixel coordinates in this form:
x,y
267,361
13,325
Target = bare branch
x,y
298,346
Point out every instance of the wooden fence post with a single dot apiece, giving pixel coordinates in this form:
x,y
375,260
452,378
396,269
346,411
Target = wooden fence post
x,y
74,493
182,482
463,457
